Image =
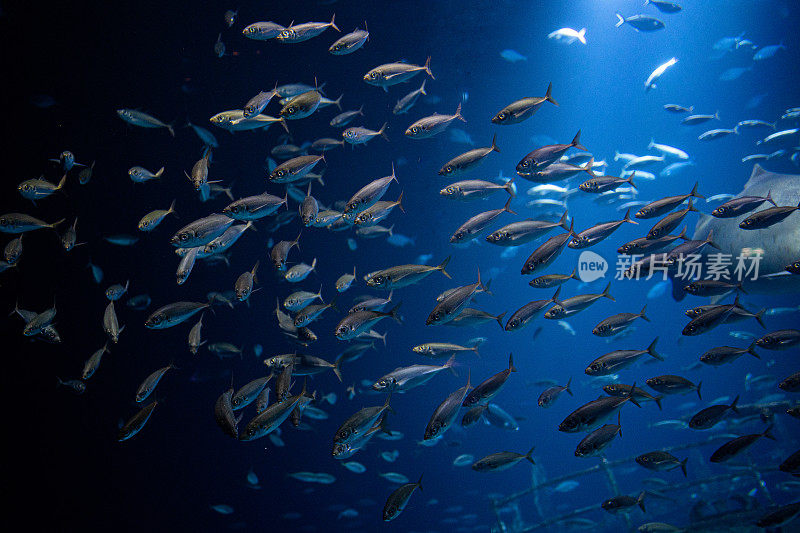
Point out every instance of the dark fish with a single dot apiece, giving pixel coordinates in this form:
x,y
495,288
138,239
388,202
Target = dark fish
x,y
136,422
665,205
280,252
468,160
617,323
619,359
659,461
598,440
739,206
273,416
710,287
549,281
669,222
690,248
726,354
598,232
547,252
524,231
361,422
792,464
489,388
664,6
734,447
446,412
623,503
791,384
675,108
767,217
708,417
527,312
523,109
551,394
779,340
249,392
451,305
546,155
601,184
173,314
645,245
780,516
570,306
621,390
500,461
397,500
590,415
473,415
670,384
223,414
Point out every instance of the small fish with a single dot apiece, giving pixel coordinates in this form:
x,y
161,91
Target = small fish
x,y
512,56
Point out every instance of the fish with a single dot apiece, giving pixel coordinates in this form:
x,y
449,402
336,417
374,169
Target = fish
x,y
173,314
525,231
640,22
361,135
442,418
468,160
543,157
137,422
390,74
650,83
349,43
660,461
485,391
150,383
512,56
151,220
617,323
500,461
478,223
405,104
622,503
592,414
710,416
522,317
21,223
570,306
427,127
409,377
141,119
551,394
303,32
734,447
524,108
568,35
398,500
262,31
618,359
598,440
665,7
403,275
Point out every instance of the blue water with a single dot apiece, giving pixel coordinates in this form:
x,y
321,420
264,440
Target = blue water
x,y
159,58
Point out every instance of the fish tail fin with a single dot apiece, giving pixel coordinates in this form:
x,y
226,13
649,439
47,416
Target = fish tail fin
x,y
554,298
682,234
576,141
56,223
758,316
507,207
640,501
61,183
528,455
419,481
563,221
337,370
442,267
752,350
683,465
427,67
709,240
171,129
549,94
422,87
620,20
160,172
630,180
733,405
694,192
494,144
630,396
607,294
658,399
509,187
458,114
582,35
333,25
642,315
627,217
172,208
393,312
450,364
283,122
511,366
499,319
691,206
768,433
699,384
651,350
769,198
566,387
338,102
382,131
475,348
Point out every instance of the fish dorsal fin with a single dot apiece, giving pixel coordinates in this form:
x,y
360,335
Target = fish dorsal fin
x,y
757,175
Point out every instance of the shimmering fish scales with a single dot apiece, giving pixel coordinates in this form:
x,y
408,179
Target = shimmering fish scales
x,y
446,413
397,500
523,109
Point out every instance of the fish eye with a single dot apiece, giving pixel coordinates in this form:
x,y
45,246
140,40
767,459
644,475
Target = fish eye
x,y
526,163
373,75
415,129
291,110
448,168
501,116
